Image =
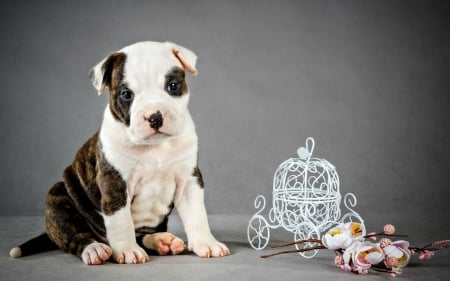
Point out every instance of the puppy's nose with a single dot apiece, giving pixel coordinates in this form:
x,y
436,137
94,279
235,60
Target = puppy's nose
x,y
156,120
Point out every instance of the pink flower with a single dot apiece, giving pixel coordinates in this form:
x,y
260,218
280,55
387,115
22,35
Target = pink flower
x,y
389,229
385,242
346,267
426,255
339,261
391,262
443,244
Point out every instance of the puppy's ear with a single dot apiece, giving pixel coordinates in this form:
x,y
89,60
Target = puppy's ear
x,y
186,57
96,76
109,69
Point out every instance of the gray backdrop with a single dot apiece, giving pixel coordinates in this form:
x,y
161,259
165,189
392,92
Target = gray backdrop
x,y
369,80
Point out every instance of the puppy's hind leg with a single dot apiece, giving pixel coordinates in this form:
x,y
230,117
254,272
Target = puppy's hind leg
x,y
68,229
163,243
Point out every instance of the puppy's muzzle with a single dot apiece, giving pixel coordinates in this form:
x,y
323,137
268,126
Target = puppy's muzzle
x,y
156,120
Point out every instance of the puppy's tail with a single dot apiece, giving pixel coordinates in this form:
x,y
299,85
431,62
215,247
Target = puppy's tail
x,y
41,243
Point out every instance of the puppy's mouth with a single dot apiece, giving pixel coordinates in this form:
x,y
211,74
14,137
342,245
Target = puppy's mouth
x,y
157,137
148,138
159,134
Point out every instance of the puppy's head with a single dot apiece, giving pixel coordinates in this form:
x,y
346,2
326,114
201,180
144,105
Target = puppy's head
x,y
148,92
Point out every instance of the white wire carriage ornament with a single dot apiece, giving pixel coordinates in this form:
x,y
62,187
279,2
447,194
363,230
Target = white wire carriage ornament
x,y
306,201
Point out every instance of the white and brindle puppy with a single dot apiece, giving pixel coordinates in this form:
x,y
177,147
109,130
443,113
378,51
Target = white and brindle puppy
x,y
116,196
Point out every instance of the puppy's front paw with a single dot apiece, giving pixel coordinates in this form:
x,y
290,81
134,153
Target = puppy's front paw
x,y
96,253
130,254
209,247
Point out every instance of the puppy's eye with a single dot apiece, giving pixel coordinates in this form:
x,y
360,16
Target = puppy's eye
x,y
173,87
126,94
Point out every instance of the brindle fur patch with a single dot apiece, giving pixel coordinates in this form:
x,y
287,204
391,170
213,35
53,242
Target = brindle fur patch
x,y
198,174
112,187
176,74
65,226
73,206
113,69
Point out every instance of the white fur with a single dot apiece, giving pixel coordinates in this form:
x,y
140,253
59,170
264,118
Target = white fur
x,y
15,252
158,168
96,253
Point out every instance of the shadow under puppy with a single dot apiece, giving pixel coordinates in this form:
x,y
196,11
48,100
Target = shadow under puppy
x,y
115,198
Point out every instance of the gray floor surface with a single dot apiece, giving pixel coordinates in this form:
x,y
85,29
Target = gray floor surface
x,y
243,264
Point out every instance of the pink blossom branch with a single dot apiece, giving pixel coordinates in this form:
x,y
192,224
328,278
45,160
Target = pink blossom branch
x,y
443,244
435,246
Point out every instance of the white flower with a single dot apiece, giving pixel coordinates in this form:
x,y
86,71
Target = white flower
x,y
350,252
362,255
343,235
400,251
337,238
368,253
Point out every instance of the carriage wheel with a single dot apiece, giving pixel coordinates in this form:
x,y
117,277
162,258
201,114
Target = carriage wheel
x,y
306,230
258,232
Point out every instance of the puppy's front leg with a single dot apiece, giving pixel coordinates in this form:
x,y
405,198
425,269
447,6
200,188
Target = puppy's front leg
x,y
191,208
116,211
121,237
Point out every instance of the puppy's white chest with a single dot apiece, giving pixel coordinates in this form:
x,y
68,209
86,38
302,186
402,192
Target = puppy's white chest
x,y
152,192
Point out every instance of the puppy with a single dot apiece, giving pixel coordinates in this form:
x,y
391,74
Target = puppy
x,y
116,196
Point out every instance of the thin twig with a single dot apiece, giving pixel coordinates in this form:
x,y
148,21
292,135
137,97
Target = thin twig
x,y
384,234
294,251
297,242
